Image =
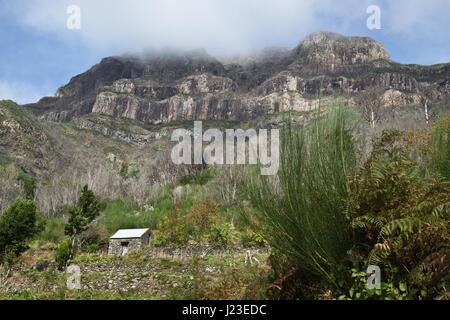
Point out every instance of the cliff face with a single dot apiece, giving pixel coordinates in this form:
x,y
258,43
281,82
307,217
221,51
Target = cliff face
x,y
162,87
323,52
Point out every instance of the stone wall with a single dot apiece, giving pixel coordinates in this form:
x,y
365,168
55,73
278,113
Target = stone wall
x,y
145,239
116,246
192,250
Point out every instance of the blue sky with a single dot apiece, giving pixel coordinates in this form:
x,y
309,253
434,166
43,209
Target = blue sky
x,y
38,53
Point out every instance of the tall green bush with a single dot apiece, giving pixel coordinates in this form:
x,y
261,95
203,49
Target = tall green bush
x,y
303,207
63,254
18,225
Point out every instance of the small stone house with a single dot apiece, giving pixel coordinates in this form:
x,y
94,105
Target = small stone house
x,y
128,240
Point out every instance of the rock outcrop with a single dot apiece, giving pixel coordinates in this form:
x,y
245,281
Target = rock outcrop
x,y
162,87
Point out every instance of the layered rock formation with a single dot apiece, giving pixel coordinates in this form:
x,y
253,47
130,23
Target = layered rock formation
x,y
162,87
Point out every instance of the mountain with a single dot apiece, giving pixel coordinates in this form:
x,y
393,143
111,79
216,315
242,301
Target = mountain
x,y
110,126
163,86
122,110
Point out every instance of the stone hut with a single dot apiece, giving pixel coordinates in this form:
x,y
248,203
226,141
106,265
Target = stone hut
x,y
128,240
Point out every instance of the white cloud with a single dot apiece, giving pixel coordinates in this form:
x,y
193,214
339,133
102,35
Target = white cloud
x,y
20,92
414,18
219,26
225,27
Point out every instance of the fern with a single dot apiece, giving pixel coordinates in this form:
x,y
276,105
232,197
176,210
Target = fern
x,y
402,213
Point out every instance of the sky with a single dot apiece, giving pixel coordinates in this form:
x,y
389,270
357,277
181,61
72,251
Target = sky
x,y
39,53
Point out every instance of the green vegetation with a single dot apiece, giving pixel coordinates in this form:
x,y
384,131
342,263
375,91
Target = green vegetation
x,y
87,210
29,188
53,231
17,112
440,155
201,177
111,149
63,254
402,214
334,209
123,215
306,219
332,218
18,225
157,279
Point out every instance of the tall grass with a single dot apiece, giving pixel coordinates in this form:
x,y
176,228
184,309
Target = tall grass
x,y
303,208
440,159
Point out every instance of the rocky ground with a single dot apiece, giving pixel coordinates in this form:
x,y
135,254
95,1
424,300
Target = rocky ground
x,y
136,276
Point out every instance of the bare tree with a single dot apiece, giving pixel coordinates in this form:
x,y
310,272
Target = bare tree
x,y
426,101
393,98
370,102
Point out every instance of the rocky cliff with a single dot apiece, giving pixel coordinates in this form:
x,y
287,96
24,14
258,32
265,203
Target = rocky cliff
x,y
160,87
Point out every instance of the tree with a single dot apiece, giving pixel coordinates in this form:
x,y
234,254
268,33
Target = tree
x,y
17,225
87,209
370,103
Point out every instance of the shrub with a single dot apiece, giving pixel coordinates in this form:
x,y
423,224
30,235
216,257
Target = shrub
x,y
353,286
92,248
159,240
222,235
303,208
201,177
18,225
173,228
63,254
201,213
251,239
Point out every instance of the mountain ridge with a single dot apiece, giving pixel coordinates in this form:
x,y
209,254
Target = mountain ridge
x,y
168,86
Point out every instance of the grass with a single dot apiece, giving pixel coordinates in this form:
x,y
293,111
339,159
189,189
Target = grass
x,y
66,294
53,232
123,215
16,111
200,178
